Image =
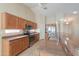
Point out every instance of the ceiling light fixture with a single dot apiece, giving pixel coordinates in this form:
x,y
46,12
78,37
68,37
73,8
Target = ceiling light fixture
x,y
67,23
74,12
65,20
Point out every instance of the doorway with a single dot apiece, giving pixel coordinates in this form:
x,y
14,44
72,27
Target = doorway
x,y
51,31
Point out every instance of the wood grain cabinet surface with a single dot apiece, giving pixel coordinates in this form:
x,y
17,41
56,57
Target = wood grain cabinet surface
x,y
10,21
34,26
36,37
21,23
14,47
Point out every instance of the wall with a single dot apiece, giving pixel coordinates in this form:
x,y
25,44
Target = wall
x,y
0,42
50,20
18,10
61,25
0,45
75,27
40,20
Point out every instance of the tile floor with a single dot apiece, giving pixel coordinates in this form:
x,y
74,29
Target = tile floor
x,y
42,48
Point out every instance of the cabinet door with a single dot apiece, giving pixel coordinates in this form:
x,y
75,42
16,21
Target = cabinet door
x,y
36,37
28,23
21,23
25,42
34,26
25,23
14,47
10,21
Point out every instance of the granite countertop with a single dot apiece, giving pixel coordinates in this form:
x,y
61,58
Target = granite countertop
x,y
14,37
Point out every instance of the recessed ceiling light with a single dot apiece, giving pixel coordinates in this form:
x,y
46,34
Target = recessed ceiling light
x,y
67,23
65,20
74,12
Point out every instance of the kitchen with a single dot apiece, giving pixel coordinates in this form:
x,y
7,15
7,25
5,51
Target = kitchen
x,y
44,33
13,27
15,36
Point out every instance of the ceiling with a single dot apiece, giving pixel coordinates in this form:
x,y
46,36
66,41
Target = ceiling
x,y
55,8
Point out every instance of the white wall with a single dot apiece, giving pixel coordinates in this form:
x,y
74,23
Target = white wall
x,y
0,42
40,19
51,20
18,10
75,27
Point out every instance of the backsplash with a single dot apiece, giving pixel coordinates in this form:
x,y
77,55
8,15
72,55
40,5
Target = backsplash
x,y
11,32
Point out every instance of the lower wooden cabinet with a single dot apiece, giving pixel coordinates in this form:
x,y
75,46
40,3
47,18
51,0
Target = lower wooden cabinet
x,y
16,46
36,37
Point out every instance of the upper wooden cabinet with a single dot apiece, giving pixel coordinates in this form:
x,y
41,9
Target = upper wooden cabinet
x,y
28,23
9,21
34,25
21,23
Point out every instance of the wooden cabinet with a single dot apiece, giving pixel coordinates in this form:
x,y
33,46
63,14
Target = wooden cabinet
x,y
10,21
25,23
21,23
28,23
16,46
34,26
36,37
23,43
